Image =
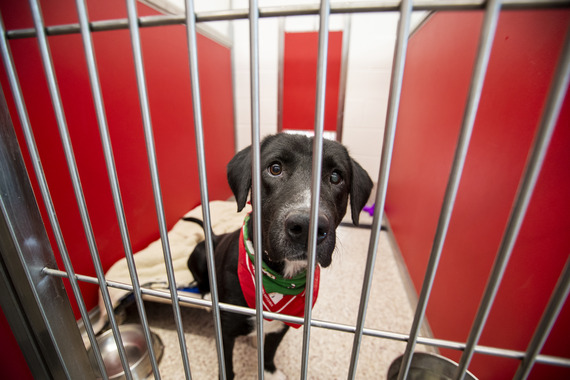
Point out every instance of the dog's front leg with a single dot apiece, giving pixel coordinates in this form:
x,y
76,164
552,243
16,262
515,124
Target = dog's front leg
x,y
233,325
272,341
228,343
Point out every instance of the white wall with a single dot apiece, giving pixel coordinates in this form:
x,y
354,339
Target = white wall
x,y
177,7
369,66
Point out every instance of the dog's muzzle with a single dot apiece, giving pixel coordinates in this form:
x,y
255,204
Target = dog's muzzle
x,y
297,225
288,237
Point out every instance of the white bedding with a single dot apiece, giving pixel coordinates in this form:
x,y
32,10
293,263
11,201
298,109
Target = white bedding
x,y
183,237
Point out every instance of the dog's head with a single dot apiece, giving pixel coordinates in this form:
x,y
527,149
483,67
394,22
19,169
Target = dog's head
x,y
286,166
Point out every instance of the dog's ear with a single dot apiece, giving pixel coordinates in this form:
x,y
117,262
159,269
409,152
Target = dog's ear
x,y
239,176
360,188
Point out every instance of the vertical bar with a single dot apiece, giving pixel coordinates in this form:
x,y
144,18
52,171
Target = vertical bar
x,y
522,200
233,55
44,190
324,14
199,132
280,71
256,177
153,167
484,51
73,171
546,322
343,75
112,174
388,145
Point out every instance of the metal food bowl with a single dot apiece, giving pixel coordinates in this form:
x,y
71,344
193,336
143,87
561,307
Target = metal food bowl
x,y
425,366
135,348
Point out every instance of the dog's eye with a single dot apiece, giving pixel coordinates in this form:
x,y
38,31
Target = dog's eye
x,y
336,178
275,169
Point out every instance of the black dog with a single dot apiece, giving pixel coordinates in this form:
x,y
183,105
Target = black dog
x,y
286,162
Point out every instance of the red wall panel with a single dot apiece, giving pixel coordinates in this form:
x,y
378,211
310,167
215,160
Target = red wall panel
x,y
165,58
300,80
12,361
438,72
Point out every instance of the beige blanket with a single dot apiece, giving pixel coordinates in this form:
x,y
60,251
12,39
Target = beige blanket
x,y
183,237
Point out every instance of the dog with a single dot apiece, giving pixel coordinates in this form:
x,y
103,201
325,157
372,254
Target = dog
x,y
286,166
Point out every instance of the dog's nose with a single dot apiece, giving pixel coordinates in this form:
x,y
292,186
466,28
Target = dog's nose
x,y
297,227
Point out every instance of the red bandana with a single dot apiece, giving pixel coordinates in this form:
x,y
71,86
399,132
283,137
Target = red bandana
x,y
275,302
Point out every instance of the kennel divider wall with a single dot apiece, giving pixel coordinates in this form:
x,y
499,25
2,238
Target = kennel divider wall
x,y
525,53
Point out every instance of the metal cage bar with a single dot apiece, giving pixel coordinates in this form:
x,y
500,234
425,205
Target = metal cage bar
x,y
113,178
151,153
346,35
204,197
549,316
73,171
385,160
256,177
280,71
522,200
433,342
324,14
288,10
484,51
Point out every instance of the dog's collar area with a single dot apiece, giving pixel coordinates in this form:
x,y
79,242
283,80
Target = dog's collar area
x,y
279,294
273,281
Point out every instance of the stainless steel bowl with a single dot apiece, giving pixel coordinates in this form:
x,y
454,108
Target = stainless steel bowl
x,y
135,348
425,366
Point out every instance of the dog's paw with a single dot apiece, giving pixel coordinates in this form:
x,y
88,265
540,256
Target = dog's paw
x,y
277,375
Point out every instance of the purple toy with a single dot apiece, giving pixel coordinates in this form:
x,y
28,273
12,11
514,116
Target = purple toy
x,y
369,209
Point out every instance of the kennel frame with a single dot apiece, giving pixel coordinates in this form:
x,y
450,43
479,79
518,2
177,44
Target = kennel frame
x,y
43,281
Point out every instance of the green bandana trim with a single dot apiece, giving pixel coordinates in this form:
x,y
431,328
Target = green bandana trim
x,y
273,282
